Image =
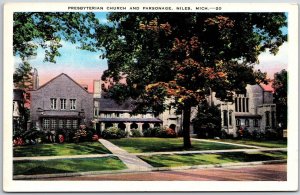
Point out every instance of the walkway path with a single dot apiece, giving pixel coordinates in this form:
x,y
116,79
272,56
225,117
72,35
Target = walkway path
x,y
130,160
234,144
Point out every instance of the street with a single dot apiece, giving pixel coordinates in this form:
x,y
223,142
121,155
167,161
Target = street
x,y
271,172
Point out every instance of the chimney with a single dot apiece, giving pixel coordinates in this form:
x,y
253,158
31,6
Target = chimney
x,y
97,89
35,79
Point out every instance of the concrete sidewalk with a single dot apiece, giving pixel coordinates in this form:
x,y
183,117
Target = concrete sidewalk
x,y
234,144
130,160
211,151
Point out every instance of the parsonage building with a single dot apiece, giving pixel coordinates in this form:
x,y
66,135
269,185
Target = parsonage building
x,y
62,103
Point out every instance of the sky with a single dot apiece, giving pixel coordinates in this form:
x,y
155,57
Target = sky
x,y
85,66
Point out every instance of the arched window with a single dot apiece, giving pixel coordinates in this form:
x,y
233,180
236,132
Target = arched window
x,y
107,125
156,125
225,119
267,118
122,126
146,126
133,126
247,122
255,121
273,119
230,117
237,122
172,126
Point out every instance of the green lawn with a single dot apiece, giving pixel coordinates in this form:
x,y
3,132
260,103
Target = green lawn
x,y
60,149
264,143
67,166
139,145
207,159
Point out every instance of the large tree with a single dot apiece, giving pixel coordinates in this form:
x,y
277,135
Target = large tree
x,y
46,30
280,85
180,57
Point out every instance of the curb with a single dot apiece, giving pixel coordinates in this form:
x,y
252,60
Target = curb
x,y
211,151
44,176
44,158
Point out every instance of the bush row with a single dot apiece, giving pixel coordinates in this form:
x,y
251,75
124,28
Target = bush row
x,y
255,134
115,133
159,132
87,134
34,136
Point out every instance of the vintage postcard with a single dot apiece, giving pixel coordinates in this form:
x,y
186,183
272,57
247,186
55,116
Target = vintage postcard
x,y
150,97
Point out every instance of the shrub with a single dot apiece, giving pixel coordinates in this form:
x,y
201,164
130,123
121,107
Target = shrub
x,y
113,133
80,135
167,133
136,133
271,135
68,134
95,137
225,135
151,132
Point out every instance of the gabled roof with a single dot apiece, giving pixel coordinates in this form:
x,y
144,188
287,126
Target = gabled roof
x,y
60,76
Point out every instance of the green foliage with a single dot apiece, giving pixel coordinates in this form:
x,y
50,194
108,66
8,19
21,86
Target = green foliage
x,y
211,159
159,132
30,136
151,132
153,144
113,133
65,149
167,133
46,30
67,166
184,55
68,134
135,133
280,85
22,77
207,122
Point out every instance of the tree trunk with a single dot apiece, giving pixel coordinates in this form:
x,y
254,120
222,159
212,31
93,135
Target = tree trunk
x,y
186,127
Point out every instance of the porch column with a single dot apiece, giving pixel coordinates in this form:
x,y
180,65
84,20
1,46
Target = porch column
x,y
128,128
102,126
115,124
140,126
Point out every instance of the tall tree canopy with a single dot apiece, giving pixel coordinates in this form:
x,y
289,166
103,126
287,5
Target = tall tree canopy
x,y
280,85
32,30
47,29
181,56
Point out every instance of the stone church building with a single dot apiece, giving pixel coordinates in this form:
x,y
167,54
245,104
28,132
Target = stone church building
x,y
62,103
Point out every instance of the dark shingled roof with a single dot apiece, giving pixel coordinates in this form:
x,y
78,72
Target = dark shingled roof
x,y
107,104
150,120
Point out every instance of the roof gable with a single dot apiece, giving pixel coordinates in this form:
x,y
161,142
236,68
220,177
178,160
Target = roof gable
x,y
59,76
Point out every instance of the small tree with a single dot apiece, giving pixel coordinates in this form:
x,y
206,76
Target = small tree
x,y
207,122
280,86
